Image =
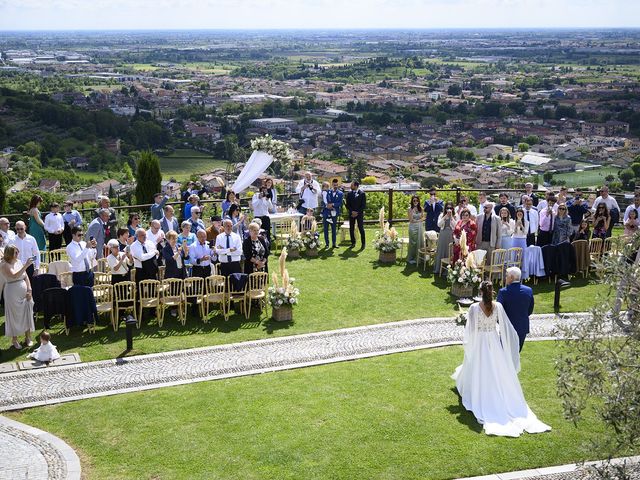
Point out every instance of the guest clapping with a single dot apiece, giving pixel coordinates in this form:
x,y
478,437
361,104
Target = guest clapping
x,y
467,225
256,251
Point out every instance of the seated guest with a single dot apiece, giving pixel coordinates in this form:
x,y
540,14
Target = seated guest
x,y
229,249
169,221
54,225
583,232
81,257
71,219
631,225
186,236
562,226
196,222
201,256
214,229
256,251
133,223
120,262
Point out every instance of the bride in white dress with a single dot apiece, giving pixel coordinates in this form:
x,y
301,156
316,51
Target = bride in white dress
x,y
487,380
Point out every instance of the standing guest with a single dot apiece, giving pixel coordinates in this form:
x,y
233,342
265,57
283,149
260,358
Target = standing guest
x,y
308,189
193,188
174,258
464,203
133,223
262,207
256,251
186,236
119,262
306,222
230,199
488,230
27,249
155,233
124,240
214,229
482,199
583,232
323,204
71,218
229,249
54,225
601,221
201,256
547,219
169,221
532,217
528,192
97,231
520,229
433,207
467,225
504,203
576,211
112,224
145,255
613,209
416,219
36,225
631,224
7,235
356,204
195,220
159,201
272,193
238,220
333,208
18,303
193,201
507,227
81,257
562,226
517,301
635,206
563,196
446,222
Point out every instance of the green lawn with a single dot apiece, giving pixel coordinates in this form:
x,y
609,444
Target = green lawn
x,y
341,288
587,178
183,163
390,417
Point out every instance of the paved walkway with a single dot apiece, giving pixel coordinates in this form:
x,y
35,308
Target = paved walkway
x,y
74,382
29,453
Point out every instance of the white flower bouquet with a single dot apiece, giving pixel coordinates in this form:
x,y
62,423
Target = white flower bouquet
x,y
387,240
282,292
280,151
311,240
464,274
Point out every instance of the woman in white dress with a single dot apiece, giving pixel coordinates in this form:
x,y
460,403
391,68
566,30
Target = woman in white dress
x,y
18,304
487,380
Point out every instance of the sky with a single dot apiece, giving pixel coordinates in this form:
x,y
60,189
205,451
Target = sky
x,y
313,14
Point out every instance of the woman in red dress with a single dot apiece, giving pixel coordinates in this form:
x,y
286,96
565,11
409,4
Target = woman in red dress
x,y
467,225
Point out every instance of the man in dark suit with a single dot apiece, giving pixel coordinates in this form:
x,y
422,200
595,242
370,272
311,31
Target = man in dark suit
x,y
517,300
432,209
356,203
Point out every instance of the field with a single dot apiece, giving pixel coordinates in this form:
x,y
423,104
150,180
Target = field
x,y
587,178
183,163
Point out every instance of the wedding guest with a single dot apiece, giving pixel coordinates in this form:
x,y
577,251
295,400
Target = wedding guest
x,y
543,204
635,206
201,256
112,223
520,229
563,196
613,210
36,225
482,200
229,249
155,233
464,203
196,221
447,221
145,254
528,192
124,240
333,210
323,204
18,302
547,219
356,205
192,201
133,223
631,224
214,229
308,189
577,210
601,221
416,226
262,207
186,236
71,218
507,227
272,193
169,221
54,226
82,256
27,247
583,233
159,201
120,262
532,218
256,251
229,200
467,225
7,235
47,351
174,258
562,226
98,229
237,220
504,203
488,230
433,207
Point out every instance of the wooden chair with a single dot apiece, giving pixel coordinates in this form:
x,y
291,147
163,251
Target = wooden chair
x,y
283,232
426,252
215,294
58,255
445,262
149,291
513,258
235,296
595,249
44,256
66,279
172,295
480,257
102,265
257,291
104,301
161,270
58,267
101,278
609,246
194,294
583,259
344,231
496,267
125,297
44,268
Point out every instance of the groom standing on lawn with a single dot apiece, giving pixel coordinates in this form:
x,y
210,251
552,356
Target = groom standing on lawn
x,y
517,300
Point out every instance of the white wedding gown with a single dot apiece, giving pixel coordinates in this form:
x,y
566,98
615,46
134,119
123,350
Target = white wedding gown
x,y
488,381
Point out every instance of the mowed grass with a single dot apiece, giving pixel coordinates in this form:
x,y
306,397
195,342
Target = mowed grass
x,y
390,417
183,163
587,178
341,288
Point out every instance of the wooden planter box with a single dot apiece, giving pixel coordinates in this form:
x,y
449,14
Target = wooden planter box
x,y
283,314
460,291
311,252
293,253
387,257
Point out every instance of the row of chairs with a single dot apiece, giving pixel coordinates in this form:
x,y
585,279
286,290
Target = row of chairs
x,y
500,260
205,293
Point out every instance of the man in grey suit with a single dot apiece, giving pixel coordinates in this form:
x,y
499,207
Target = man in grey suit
x,y
488,230
96,231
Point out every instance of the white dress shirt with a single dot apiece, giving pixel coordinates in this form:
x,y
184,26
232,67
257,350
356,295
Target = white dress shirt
x,y
224,254
155,237
138,254
78,253
197,251
310,198
113,261
533,219
627,212
610,202
542,205
53,222
261,205
28,248
7,237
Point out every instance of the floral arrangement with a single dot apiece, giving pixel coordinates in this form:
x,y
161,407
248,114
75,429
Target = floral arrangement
x,y
294,242
279,150
464,274
461,319
311,237
387,240
282,291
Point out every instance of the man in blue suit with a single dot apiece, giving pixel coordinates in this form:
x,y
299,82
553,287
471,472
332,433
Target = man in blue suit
x,y
517,300
331,212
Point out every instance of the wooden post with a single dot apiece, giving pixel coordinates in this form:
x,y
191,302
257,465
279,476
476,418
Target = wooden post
x,y
458,194
390,207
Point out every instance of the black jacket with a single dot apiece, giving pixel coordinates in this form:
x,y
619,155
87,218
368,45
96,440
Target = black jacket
x,y
356,203
247,250
171,266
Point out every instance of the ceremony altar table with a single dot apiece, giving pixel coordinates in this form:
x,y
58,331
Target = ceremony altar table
x,y
281,218
533,263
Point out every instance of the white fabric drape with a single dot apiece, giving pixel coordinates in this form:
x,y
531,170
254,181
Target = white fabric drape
x,y
255,166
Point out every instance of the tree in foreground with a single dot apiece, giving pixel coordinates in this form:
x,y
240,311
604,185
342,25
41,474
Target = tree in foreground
x,y
599,364
148,177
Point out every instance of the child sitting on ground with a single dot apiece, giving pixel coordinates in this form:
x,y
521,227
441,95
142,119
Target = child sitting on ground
x,y
47,351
